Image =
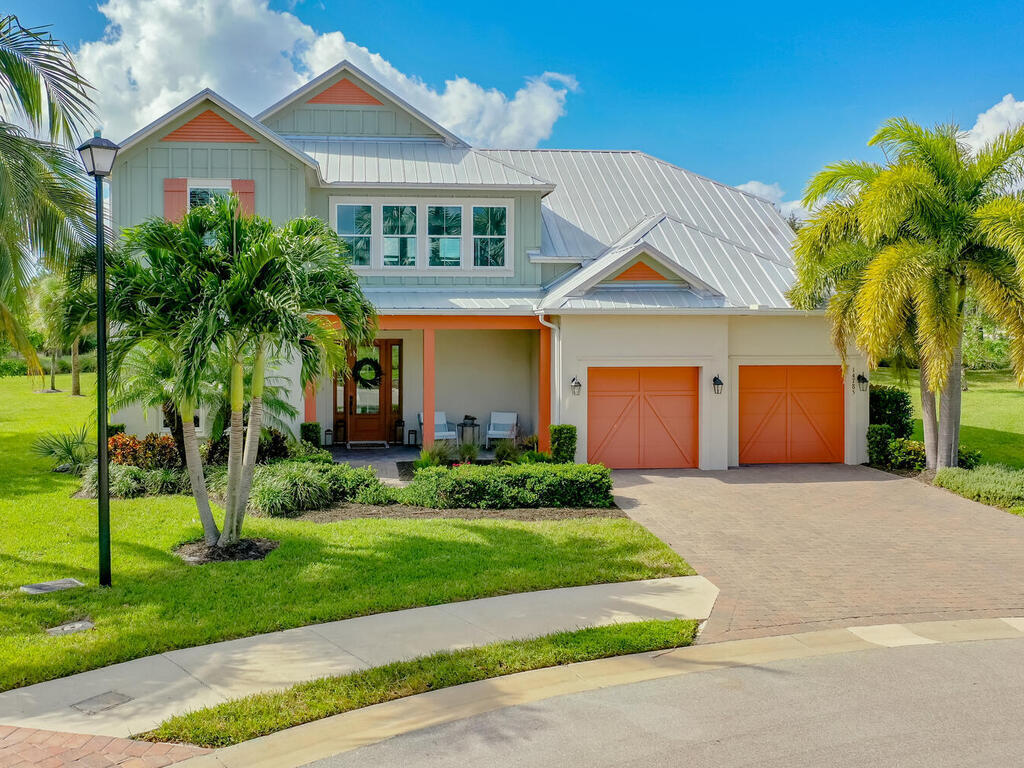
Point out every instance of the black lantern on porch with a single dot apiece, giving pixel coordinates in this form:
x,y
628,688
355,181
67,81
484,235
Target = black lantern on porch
x,y
862,382
717,384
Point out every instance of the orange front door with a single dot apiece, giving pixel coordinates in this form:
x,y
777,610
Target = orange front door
x,y
642,418
791,414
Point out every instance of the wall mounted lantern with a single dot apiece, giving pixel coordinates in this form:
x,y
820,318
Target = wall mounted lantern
x,y
862,382
576,386
328,437
717,384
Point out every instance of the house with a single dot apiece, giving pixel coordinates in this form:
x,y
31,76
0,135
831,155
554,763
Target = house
x,y
611,290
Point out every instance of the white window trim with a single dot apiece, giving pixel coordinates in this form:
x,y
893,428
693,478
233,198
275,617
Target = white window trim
x,y
422,268
462,238
206,184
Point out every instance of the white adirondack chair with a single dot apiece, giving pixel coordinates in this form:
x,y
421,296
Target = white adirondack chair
x,y
503,426
443,429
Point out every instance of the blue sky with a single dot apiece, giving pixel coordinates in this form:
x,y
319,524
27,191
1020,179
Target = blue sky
x,y
736,91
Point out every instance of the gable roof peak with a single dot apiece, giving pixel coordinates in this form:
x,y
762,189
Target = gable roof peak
x,y
359,78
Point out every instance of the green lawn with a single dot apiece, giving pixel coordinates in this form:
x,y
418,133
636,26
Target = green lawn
x,y
321,572
993,414
263,713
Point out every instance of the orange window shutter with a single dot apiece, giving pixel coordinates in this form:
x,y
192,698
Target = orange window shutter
x,y
246,191
175,198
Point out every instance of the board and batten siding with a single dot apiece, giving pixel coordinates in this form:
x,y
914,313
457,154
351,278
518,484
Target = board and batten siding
x,y
526,233
349,120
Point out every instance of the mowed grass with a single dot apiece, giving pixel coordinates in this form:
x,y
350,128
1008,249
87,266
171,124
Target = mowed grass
x,y
992,418
260,714
321,572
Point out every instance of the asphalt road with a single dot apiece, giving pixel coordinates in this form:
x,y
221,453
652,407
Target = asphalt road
x,y
927,705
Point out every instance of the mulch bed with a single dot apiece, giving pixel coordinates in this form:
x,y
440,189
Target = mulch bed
x,y
397,511
198,553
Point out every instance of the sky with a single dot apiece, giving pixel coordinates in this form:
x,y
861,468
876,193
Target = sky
x,y
758,95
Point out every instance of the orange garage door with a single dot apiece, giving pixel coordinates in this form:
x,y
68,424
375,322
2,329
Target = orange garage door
x,y
790,414
642,418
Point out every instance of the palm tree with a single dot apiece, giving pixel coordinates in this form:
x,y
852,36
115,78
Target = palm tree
x,y
893,250
51,300
45,206
220,284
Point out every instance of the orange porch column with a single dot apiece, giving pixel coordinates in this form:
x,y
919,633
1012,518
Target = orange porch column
x,y
428,387
544,391
310,409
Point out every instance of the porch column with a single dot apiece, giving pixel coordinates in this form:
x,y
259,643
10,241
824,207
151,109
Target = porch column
x,y
428,387
544,391
310,408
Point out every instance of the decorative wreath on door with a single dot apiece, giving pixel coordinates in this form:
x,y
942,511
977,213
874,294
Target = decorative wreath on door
x,y
367,373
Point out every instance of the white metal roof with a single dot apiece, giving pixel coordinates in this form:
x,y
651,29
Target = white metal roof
x,y
599,195
416,162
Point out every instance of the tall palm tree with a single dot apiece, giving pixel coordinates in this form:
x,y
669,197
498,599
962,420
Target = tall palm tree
x,y
893,249
222,284
45,205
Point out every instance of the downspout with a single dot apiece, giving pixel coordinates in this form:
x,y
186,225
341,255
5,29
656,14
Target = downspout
x,y
556,350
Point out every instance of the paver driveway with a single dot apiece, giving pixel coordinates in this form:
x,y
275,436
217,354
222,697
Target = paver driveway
x,y
805,547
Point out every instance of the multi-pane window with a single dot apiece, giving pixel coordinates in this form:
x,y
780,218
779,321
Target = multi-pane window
x,y
444,235
399,235
205,195
489,235
356,228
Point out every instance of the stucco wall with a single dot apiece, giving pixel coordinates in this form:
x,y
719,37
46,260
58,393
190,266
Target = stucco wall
x,y
717,345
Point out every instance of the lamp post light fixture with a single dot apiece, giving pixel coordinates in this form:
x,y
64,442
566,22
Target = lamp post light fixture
x,y
862,382
98,156
717,384
576,386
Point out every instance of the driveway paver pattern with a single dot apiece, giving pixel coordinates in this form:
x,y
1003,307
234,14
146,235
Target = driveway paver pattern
x,y
803,547
25,747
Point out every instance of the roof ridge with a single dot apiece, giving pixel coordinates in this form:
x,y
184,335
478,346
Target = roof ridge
x,y
512,167
723,239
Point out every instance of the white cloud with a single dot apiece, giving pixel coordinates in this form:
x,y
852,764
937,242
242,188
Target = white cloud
x,y
1005,113
774,193
156,53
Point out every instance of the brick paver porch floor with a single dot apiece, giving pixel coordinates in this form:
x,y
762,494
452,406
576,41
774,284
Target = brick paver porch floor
x,y
25,747
795,548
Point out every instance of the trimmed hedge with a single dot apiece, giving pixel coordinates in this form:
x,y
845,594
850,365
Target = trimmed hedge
x,y
310,432
13,368
989,484
908,454
892,406
879,437
510,486
563,443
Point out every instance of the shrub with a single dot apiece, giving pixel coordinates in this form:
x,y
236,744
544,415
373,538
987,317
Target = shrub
x,y
157,452
535,457
13,368
441,452
287,487
273,445
300,450
126,482
115,429
376,495
892,406
123,448
989,484
529,443
906,454
468,452
563,443
507,452
71,451
166,481
310,432
346,482
509,486
879,437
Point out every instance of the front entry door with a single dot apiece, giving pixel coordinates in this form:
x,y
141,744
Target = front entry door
x,y
372,395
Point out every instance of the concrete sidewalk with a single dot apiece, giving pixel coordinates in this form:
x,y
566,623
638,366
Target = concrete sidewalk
x,y
137,695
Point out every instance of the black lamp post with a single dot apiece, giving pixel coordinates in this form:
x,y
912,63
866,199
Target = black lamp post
x,y
98,158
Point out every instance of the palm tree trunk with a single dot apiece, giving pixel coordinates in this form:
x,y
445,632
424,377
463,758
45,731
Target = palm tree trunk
x,y
172,417
194,463
931,441
956,396
228,532
53,370
76,370
252,441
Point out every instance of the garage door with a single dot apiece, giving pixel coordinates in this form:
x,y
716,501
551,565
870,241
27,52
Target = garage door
x,y
642,418
790,414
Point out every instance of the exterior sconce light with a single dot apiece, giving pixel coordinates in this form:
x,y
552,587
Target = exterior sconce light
x,y
328,437
717,384
862,382
576,386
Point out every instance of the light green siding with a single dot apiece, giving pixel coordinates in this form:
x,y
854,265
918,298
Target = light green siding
x,y
526,233
337,120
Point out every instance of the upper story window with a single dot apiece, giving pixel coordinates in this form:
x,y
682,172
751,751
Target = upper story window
x,y
205,191
399,235
444,235
489,235
355,225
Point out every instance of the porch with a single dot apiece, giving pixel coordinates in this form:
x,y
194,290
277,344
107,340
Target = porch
x,y
459,365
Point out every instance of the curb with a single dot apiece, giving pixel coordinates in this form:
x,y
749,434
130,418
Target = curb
x,y
313,741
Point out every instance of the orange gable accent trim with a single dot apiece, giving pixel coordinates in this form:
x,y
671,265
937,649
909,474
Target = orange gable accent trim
x,y
208,126
343,92
641,272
